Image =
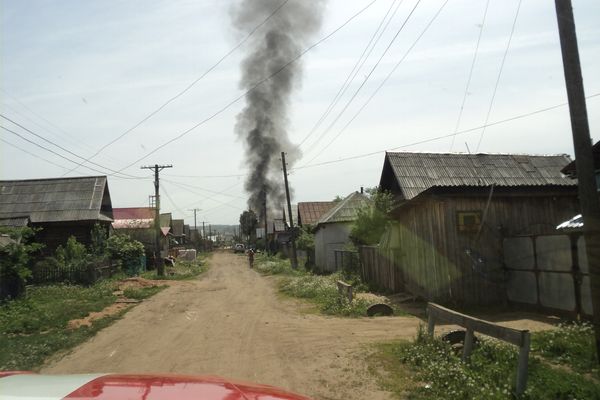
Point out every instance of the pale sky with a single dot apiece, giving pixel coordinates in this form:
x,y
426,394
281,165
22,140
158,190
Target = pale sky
x,y
81,73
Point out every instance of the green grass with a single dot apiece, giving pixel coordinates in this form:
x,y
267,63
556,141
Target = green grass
x,y
28,352
34,327
143,292
321,290
570,344
183,270
437,372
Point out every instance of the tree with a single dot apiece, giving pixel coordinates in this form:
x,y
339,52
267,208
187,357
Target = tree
x,y
15,259
372,219
248,223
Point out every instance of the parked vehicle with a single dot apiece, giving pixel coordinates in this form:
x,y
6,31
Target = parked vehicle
x,y
28,385
239,248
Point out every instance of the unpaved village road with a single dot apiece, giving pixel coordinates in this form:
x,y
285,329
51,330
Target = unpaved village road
x,y
231,322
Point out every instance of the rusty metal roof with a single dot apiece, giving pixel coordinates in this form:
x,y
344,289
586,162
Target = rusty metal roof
x,y
417,172
345,210
133,213
309,212
56,199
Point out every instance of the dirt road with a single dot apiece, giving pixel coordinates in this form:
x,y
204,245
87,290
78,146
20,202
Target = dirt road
x,y
232,323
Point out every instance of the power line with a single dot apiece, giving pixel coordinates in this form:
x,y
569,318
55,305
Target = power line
x,y
199,188
243,95
216,201
382,82
464,99
33,154
206,176
63,149
56,153
336,119
181,93
436,138
164,189
357,66
487,117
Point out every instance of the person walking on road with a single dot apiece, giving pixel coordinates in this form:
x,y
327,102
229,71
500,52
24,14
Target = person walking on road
x,y
251,257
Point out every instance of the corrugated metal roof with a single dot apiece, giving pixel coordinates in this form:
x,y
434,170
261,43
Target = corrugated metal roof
x,y
311,211
57,199
346,210
133,213
14,221
417,172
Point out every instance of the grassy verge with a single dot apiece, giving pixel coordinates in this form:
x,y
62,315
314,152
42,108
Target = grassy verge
x,y
318,289
183,270
34,327
437,372
143,292
570,345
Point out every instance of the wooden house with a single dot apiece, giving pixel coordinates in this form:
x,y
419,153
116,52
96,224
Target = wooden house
x,y
454,210
332,231
60,207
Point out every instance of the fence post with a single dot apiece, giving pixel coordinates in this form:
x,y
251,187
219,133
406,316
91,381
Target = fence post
x,y
430,324
468,345
522,366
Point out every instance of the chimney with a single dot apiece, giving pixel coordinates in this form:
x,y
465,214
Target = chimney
x,y
362,190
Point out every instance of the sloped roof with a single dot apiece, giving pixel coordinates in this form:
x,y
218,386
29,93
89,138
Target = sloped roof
x,y
346,210
133,213
15,221
310,211
416,172
133,218
57,199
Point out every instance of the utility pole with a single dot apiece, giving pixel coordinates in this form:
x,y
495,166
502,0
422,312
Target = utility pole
x,y
160,270
289,204
588,191
266,223
203,237
195,224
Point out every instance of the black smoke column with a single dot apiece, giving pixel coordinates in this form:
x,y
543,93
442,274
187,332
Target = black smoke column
x,y
263,122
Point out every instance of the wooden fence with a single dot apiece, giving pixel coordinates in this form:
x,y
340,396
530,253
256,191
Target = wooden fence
x,y
85,274
520,338
346,260
378,269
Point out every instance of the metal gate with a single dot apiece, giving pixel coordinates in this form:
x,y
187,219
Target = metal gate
x,y
548,272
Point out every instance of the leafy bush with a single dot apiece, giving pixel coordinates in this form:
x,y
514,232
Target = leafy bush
x,y
570,344
123,248
372,219
15,260
490,374
72,254
306,239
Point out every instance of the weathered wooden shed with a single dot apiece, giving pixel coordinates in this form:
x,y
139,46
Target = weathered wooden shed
x,y
454,210
61,207
332,230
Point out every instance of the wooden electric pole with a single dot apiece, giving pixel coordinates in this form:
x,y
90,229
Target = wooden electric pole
x,y
195,223
160,270
289,206
267,248
584,160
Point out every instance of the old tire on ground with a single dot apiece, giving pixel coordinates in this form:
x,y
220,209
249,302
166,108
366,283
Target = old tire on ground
x,y
379,309
457,337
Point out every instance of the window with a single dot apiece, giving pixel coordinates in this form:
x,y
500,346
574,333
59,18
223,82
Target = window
x,y
468,221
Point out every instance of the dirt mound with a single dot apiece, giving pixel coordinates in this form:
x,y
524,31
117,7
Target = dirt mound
x,y
91,317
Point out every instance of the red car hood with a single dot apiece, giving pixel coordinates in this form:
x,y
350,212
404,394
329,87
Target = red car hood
x,y
21,386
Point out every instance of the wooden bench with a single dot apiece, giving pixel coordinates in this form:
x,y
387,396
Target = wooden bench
x,y
519,338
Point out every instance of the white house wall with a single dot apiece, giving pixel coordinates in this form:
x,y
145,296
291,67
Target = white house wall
x,y
328,238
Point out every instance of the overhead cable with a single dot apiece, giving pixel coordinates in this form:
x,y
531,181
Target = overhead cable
x,y
244,94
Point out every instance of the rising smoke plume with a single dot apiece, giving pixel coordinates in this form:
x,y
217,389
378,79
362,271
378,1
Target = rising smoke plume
x,y
263,122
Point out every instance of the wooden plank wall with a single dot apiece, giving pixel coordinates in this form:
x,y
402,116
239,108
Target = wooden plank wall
x,y
440,264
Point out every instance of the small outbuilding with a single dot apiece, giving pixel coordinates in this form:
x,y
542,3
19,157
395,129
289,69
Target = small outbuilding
x,y
332,230
455,211
60,207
